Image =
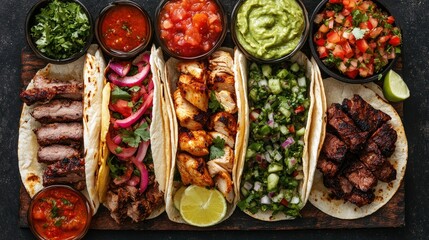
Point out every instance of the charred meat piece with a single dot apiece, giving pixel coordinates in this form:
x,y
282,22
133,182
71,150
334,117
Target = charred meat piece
x,y
385,137
363,114
339,185
360,177
224,184
334,148
195,69
361,198
189,116
60,133
68,171
194,142
224,123
41,81
58,111
327,167
346,128
45,94
219,81
386,173
193,170
54,153
371,157
194,91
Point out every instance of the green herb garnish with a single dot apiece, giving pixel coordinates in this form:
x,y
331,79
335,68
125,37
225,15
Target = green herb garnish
x,y
134,138
216,150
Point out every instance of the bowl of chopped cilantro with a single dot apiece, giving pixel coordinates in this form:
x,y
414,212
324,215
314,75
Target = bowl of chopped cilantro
x,y
59,31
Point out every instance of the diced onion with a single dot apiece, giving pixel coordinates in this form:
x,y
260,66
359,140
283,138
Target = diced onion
x,y
268,157
289,141
302,82
295,200
265,200
247,185
257,186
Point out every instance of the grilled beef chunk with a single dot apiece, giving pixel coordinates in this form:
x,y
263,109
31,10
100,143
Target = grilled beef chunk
x,y
340,187
40,81
360,177
386,173
346,128
361,198
363,114
371,157
53,153
69,91
58,111
327,167
385,137
70,171
334,148
60,133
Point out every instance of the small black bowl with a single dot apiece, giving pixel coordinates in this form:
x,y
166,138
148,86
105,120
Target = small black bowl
x,y
30,21
197,57
334,72
273,60
117,53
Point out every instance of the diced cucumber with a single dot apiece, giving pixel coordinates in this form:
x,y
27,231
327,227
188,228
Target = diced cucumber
x,y
256,146
265,130
266,70
253,66
274,167
278,197
274,85
285,111
295,89
302,82
263,83
284,130
253,94
244,191
300,132
294,67
250,153
277,156
282,73
272,181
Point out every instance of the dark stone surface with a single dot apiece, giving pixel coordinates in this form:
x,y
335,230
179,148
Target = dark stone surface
x,y
414,18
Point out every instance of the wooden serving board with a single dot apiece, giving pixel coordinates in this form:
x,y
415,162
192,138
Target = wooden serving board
x,y
390,215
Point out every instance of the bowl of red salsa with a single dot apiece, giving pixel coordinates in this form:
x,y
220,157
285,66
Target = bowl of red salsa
x,y
59,212
190,29
123,29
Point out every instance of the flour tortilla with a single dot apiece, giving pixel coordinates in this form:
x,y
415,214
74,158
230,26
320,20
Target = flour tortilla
x,y
169,79
312,137
87,69
336,91
157,135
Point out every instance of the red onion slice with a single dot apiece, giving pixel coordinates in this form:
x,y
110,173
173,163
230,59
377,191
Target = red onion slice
x,y
144,57
144,174
127,175
289,141
125,153
127,122
130,81
141,153
120,68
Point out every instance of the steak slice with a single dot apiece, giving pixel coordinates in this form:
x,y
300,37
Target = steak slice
x,y
360,177
334,148
371,156
327,167
385,137
67,171
363,114
361,198
53,153
346,129
60,133
58,111
386,173
340,187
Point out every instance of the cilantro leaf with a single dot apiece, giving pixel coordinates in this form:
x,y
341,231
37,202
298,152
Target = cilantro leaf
x,y
359,17
118,93
133,138
214,104
143,132
116,169
358,33
134,89
216,149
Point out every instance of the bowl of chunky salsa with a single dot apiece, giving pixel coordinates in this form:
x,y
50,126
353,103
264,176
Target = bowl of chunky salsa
x,y
123,29
59,212
190,29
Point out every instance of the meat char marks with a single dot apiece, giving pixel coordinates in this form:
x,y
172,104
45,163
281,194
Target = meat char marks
x,y
70,171
60,133
355,152
54,153
63,110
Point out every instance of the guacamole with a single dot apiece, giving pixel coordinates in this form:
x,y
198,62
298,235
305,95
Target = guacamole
x,y
269,29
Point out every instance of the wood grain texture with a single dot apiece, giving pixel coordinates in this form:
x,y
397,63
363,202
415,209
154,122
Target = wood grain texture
x,y
390,215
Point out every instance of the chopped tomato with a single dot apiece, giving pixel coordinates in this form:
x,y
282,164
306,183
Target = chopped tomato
x,y
122,107
330,13
323,28
335,1
339,52
333,37
320,42
390,20
323,52
284,202
299,109
291,128
348,51
362,45
352,74
395,41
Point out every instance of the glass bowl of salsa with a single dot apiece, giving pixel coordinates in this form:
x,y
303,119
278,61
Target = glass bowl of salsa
x,y
269,31
59,212
123,29
190,29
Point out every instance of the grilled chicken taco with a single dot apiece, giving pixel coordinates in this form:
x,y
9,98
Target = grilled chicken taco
x,y
364,154
133,165
284,123
206,115
60,124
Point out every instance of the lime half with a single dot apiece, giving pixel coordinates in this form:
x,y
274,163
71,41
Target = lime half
x,y
178,197
394,87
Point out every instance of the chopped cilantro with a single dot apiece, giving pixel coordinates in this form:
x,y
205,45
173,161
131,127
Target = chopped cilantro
x,y
133,138
118,150
214,104
134,89
216,149
58,223
116,169
359,17
65,201
336,7
358,33
136,172
118,93
54,210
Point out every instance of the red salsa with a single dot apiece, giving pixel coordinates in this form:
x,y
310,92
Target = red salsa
x,y
190,27
124,28
59,213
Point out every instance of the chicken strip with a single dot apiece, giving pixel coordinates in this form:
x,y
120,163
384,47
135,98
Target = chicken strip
x,y
195,69
193,170
226,161
228,139
222,62
224,123
189,116
227,100
225,185
195,142
193,91
221,81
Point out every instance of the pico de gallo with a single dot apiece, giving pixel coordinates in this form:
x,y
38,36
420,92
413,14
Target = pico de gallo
x,y
356,37
190,27
59,212
128,138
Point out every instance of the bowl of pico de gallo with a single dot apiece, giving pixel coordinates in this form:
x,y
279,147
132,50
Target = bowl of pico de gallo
x,y
354,41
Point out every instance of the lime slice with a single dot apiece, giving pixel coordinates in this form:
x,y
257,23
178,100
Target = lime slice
x,y
178,196
394,87
202,207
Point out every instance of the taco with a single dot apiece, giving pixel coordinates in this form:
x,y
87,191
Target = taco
x,y
206,112
284,123
362,162
132,171
60,124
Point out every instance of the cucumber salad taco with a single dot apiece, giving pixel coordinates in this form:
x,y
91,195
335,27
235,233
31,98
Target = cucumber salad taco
x,y
285,131
60,124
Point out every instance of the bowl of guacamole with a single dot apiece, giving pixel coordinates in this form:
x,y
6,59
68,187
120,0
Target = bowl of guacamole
x,y
271,30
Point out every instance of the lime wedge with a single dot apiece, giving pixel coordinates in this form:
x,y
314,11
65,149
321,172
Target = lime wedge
x,y
178,196
202,207
394,87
